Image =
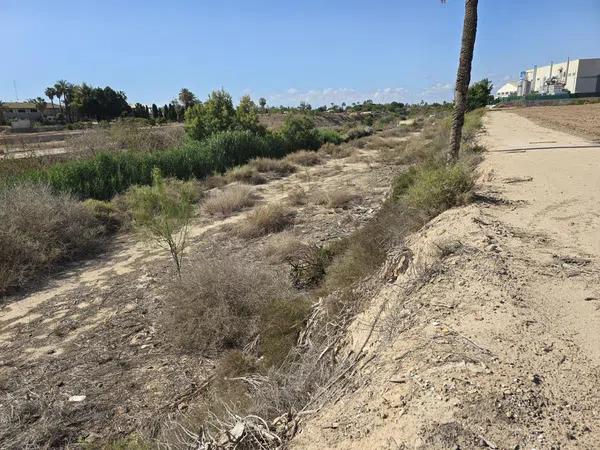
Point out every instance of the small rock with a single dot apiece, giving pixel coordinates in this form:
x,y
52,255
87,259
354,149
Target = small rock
x,y
535,378
76,398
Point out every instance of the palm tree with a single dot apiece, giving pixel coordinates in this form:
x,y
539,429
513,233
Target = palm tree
x,y
61,88
463,78
40,105
50,93
187,98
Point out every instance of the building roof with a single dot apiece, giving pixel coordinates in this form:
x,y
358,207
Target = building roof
x,y
25,105
512,83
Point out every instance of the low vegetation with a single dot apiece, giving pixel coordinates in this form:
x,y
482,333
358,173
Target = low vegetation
x,y
245,174
335,198
229,199
304,158
222,303
162,212
40,229
265,219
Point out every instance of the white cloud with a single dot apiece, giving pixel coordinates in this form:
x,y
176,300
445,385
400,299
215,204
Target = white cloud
x,y
318,97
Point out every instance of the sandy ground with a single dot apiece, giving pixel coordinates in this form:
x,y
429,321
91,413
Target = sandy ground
x,y
491,337
95,329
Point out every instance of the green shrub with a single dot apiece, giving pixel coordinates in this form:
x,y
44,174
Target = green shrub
x,y
163,212
299,132
327,135
108,214
437,188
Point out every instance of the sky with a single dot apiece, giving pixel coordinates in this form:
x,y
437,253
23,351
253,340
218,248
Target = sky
x,y
287,51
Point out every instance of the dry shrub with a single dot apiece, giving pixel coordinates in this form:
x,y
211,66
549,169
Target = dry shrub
x,y
128,135
39,230
265,219
308,265
297,196
230,199
275,166
213,181
245,174
363,252
112,215
338,198
304,158
280,323
281,246
337,151
218,303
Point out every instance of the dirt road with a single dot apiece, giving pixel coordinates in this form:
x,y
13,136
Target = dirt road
x,y
491,337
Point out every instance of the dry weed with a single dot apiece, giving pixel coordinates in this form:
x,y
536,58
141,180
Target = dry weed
x,y
230,199
265,219
275,166
297,196
245,174
304,158
338,198
218,303
281,246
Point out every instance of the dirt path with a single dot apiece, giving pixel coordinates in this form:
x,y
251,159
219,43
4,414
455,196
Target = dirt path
x,y
491,338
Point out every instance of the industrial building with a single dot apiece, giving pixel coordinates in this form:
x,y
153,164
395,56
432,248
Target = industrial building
x,y
577,76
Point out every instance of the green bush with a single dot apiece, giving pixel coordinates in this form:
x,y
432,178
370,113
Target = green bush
x,y
327,135
163,212
299,132
436,188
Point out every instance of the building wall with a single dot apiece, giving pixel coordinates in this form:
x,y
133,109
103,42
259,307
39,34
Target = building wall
x,y
588,79
582,76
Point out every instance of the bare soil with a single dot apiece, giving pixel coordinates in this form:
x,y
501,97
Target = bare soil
x,y
582,120
83,357
489,337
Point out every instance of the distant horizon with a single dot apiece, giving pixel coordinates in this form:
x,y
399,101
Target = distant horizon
x,y
288,53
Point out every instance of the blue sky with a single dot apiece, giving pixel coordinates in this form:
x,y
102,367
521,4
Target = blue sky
x,y
287,51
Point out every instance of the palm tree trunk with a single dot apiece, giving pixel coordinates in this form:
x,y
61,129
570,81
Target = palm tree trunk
x,y
463,78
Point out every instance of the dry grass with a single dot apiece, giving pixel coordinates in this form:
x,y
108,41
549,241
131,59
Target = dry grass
x,y
218,303
127,135
338,198
40,229
304,158
265,219
273,166
282,246
245,174
337,151
297,196
230,199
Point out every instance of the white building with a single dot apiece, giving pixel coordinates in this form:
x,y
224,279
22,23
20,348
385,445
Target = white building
x,y
578,76
509,89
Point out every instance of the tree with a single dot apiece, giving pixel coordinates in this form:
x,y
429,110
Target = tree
x,y
50,93
155,112
480,94
246,116
299,131
187,98
463,78
163,212
60,87
263,103
216,114
140,111
40,105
